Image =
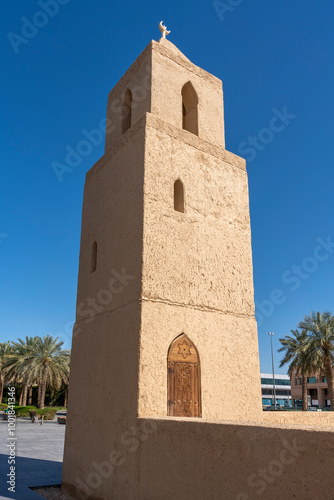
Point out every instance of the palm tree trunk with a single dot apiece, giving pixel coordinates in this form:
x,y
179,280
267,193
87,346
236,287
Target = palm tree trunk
x,y
43,390
24,396
39,396
30,396
1,388
330,381
21,395
65,396
304,393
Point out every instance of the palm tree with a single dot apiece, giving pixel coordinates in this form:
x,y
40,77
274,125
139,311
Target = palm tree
x,y
50,364
18,366
5,349
321,333
297,355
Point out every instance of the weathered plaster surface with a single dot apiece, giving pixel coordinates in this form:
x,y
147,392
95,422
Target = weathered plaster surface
x,y
196,458
202,257
161,273
103,395
216,460
230,387
311,418
156,79
138,80
112,216
170,71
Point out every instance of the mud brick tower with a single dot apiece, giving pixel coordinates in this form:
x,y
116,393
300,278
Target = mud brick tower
x,y
165,310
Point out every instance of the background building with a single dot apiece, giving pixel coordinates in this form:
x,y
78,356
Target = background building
x,y
282,386
317,390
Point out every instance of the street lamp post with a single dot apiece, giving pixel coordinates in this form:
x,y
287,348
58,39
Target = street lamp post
x,y
272,360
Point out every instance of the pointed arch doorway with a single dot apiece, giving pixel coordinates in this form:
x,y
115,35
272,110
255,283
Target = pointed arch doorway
x,y
183,379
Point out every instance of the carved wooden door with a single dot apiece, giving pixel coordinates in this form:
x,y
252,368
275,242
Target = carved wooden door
x,y
184,379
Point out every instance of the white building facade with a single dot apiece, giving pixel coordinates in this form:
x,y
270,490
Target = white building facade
x,y
282,389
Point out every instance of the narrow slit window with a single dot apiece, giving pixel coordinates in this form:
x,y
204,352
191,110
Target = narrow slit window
x,y
178,196
93,262
189,109
126,111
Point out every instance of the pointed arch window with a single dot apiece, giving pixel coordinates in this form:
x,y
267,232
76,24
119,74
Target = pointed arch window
x,y
93,259
183,379
189,108
178,196
126,111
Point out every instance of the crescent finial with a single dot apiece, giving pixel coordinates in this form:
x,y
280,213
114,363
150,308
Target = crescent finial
x,y
163,29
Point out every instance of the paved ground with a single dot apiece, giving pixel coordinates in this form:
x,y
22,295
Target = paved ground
x,y
39,451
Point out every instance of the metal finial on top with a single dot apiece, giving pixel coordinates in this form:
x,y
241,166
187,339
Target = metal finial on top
x,y
163,30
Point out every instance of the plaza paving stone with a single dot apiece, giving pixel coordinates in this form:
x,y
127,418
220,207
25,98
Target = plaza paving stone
x,y
39,452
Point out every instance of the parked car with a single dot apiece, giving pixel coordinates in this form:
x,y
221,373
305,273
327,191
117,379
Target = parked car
x,y
273,407
5,414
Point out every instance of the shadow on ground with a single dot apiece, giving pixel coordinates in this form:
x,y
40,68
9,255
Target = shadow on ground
x,y
29,472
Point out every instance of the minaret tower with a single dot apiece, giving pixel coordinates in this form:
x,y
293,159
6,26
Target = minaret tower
x,y
165,308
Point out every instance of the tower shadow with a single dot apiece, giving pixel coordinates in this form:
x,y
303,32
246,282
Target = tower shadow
x,y
29,473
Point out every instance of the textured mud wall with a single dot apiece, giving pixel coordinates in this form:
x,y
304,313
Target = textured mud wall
x,y
112,216
156,79
230,386
161,273
137,79
102,402
197,460
202,257
103,391
170,71
310,418
156,459
197,274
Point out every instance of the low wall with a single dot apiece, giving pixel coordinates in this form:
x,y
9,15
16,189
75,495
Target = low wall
x,y
299,418
196,459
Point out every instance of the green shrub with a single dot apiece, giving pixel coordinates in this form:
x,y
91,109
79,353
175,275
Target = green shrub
x,y
49,413
23,411
26,411
3,406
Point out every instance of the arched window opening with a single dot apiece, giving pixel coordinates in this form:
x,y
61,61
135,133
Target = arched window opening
x,y
126,111
189,109
178,196
183,379
93,261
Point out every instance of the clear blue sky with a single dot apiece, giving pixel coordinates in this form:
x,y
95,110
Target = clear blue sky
x,y
272,56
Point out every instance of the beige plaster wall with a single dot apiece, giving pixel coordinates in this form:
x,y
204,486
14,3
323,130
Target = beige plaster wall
x,y
216,460
202,257
177,273
311,418
197,274
203,459
156,79
170,71
102,392
227,347
112,216
137,79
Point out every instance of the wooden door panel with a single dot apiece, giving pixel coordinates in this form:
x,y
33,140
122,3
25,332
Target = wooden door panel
x,y
184,388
